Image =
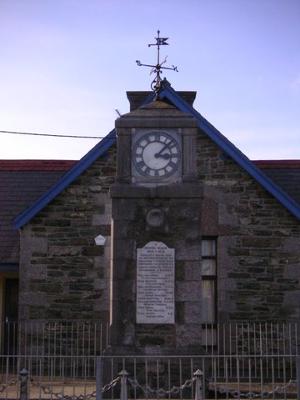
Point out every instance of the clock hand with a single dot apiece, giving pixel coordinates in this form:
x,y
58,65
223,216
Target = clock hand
x,y
160,155
166,156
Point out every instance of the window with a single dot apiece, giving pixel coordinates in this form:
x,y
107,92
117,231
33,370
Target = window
x,y
209,279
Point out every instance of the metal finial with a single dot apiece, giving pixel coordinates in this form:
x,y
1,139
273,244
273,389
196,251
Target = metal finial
x,y
157,68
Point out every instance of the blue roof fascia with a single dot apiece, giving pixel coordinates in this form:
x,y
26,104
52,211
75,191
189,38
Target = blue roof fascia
x,y
97,151
232,151
102,147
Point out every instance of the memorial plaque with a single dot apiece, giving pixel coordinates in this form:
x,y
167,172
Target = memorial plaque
x,y
155,296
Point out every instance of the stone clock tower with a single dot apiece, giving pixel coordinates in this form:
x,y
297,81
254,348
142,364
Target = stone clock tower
x,y
156,203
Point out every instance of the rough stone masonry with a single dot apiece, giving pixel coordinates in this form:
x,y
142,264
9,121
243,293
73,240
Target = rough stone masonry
x,y
63,274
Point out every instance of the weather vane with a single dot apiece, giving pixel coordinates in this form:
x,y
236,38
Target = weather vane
x,y
157,69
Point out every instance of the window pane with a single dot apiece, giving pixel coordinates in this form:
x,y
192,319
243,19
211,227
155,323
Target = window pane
x,y
208,301
208,248
208,267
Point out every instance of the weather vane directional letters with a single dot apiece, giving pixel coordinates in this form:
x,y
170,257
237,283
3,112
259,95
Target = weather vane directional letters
x,y
157,69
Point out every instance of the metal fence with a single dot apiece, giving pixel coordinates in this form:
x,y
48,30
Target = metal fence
x,y
91,338
134,377
251,338
54,337
66,360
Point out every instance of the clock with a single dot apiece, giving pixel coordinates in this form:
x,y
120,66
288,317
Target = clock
x,y
156,154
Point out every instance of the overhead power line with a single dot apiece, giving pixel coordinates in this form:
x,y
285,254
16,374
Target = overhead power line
x,y
51,135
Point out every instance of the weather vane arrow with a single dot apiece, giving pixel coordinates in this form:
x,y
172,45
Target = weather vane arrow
x,y
158,67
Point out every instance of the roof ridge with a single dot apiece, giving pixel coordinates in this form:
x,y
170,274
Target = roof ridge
x,y
36,165
280,164
216,136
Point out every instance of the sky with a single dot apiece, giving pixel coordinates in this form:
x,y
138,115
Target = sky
x,y
66,66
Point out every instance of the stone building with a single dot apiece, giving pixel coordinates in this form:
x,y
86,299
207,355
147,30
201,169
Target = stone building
x,y
233,225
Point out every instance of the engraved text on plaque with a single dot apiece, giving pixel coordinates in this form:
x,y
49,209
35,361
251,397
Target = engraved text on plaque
x,y
155,284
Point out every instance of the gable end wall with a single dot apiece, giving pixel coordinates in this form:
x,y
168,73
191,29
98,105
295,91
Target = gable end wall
x,y
63,274
258,241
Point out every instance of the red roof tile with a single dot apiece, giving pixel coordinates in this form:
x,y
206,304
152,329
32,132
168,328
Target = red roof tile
x,y
278,164
36,165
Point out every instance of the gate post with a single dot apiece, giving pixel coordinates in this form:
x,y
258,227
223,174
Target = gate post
x,y
24,384
298,376
99,378
198,389
123,374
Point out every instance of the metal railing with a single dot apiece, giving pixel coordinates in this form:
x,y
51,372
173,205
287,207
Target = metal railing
x,y
251,338
149,377
91,338
54,337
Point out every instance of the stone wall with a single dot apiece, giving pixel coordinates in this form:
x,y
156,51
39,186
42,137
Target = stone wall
x,y
258,241
63,274
180,230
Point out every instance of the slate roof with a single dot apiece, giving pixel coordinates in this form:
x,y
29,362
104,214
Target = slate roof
x,y
22,182
285,173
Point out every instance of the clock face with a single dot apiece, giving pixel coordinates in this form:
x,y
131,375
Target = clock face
x,y
156,154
